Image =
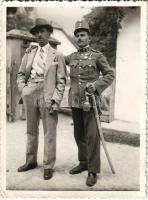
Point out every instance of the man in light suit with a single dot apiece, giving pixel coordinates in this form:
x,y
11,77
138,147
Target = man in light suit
x,y
41,82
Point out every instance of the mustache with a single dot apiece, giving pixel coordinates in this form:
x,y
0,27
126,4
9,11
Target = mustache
x,y
39,38
80,40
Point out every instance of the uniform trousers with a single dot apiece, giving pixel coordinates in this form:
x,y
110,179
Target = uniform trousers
x,y
35,109
87,139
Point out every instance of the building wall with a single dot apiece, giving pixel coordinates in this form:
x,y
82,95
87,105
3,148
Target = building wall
x,y
128,69
66,46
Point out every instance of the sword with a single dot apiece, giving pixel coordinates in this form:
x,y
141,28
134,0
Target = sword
x,y
100,131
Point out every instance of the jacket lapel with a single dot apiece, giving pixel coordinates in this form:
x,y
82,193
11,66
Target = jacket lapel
x,y
30,59
50,58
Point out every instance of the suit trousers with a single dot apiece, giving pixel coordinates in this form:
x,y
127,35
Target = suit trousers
x,y
35,109
87,139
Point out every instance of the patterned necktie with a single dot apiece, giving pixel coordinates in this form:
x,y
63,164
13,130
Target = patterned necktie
x,y
40,63
41,54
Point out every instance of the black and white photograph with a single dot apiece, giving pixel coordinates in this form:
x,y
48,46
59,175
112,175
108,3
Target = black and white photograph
x,y
74,99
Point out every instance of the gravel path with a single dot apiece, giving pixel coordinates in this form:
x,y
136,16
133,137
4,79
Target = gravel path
x,y
125,159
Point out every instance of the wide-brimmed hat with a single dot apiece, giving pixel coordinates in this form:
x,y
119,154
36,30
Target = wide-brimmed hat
x,y
40,23
81,25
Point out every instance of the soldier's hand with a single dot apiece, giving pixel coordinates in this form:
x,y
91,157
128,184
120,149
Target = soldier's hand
x,y
90,88
29,49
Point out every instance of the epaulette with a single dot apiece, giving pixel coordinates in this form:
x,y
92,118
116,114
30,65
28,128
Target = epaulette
x,y
74,53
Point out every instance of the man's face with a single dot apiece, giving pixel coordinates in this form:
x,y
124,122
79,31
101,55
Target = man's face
x,y
42,36
82,38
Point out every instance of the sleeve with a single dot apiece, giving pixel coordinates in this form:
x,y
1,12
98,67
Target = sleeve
x,y
67,59
22,72
60,79
107,74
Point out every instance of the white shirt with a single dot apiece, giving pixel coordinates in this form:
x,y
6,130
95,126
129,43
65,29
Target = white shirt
x,y
38,65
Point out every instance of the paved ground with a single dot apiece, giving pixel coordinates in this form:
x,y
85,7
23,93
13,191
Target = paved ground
x,y
125,159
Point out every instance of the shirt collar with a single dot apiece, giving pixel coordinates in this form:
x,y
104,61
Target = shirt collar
x,y
84,49
45,48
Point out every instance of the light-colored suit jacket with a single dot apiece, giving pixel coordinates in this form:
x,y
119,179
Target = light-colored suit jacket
x,y
54,76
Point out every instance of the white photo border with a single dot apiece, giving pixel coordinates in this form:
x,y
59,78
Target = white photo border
x,y
143,141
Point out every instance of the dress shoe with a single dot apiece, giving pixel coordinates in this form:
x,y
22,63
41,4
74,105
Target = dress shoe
x,y
27,167
78,169
48,173
91,179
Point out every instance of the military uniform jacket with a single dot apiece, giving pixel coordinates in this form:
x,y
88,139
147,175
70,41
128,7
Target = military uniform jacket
x,y
54,76
86,66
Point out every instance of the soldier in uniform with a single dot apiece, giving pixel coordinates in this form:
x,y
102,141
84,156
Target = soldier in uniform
x,y
85,67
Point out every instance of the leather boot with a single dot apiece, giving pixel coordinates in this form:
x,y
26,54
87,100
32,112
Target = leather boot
x,y
78,169
27,167
91,179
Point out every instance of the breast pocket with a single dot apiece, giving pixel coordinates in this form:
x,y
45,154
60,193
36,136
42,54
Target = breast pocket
x,y
88,67
91,69
73,67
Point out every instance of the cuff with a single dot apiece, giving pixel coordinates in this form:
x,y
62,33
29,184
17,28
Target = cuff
x,y
97,88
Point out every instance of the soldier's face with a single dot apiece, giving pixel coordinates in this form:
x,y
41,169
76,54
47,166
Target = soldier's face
x,y
42,36
82,38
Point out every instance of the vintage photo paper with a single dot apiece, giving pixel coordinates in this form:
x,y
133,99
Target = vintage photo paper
x,y
115,37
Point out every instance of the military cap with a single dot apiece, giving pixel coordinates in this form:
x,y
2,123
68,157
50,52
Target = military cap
x,y
41,23
81,25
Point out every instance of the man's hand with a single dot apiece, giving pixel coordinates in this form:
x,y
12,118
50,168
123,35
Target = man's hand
x,y
20,87
54,107
90,88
